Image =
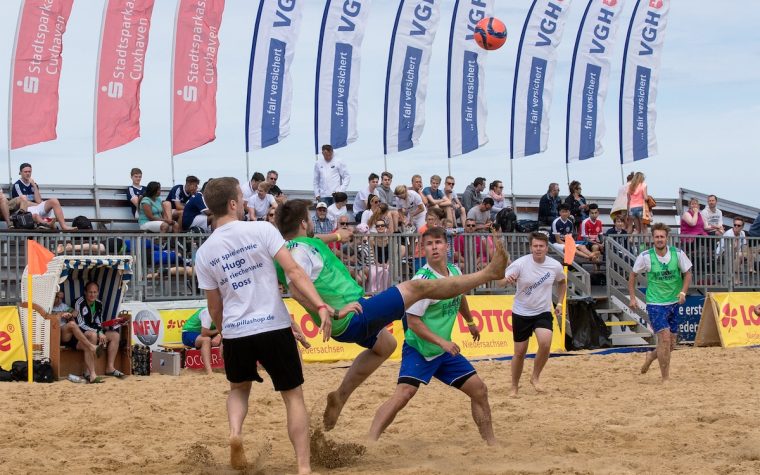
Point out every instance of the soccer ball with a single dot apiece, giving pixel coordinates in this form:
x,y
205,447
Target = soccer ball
x,y
490,33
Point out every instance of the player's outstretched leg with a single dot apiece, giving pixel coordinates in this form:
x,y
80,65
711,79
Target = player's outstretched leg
x,y
363,366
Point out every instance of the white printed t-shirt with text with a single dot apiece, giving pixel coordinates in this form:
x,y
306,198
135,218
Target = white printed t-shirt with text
x,y
534,284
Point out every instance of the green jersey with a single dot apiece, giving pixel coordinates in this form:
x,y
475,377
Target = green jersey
x,y
194,324
664,281
438,315
333,281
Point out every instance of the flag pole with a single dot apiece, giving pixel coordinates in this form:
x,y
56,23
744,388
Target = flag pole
x,y
10,92
564,308
95,112
29,324
172,91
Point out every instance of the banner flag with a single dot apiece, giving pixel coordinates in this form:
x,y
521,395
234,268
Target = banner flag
x,y
638,84
466,99
123,46
270,91
533,88
336,98
196,48
37,64
406,79
589,76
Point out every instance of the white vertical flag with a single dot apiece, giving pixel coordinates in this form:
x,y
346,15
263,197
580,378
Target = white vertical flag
x,y
534,76
638,85
589,77
466,101
270,91
406,80
338,60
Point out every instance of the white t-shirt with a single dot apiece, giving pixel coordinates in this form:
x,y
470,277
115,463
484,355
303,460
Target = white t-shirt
x,y
238,259
260,206
644,264
307,257
712,219
206,320
360,200
534,284
247,190
410,205
333,212
722,244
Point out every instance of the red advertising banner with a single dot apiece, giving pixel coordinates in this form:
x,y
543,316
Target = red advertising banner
x,y
123,46
37,63
196,46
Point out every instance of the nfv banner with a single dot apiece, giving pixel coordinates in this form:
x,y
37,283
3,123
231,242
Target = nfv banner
x,y
589,77
641,72
123,46
406,82
466,104
270,91
534,76
196,48
37,63
337,84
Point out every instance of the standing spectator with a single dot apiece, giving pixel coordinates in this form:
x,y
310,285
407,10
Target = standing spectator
x,y
456,209
196,213
272,177
322,224
149,214
754,229
471,196
260,203
577,203
548,205
417,187
713,217
620,205
692,223
27,188
411,209
637,196
177,197
135,190
482,214
385,193
668,277
330,176
496,193
435,196
338,208
739,245
360,200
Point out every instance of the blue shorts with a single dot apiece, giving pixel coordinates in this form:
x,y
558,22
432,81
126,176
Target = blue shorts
x,y
663,317
188,338
451,370
637,212
377,313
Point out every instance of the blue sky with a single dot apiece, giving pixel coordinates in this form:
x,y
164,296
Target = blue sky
x,y
707,127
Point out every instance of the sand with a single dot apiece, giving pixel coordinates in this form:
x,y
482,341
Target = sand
x,y
598,415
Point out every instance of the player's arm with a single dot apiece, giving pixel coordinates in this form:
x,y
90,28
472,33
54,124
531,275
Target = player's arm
x,y
561,290
632,290
685,288
209,332
418,326
215,307
339,235
464,309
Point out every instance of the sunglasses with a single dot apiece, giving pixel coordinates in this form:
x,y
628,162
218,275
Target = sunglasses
x,y
380,225
738,225
450,183
470,225
343,224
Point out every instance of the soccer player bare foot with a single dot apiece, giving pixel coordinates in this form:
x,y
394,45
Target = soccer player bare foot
x,y
495,269
332,410
536,384
237,453
650,358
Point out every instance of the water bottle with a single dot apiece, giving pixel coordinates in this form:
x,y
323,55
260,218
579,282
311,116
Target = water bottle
x,y
76,379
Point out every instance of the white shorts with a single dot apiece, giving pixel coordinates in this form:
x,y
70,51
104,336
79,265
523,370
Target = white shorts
x,y
151,226
200,221
39,210
559,247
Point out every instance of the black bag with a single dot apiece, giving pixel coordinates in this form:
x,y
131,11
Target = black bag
x,y
6,376
506,220
526,226
140,360
22,220
42,371
81,222
588,329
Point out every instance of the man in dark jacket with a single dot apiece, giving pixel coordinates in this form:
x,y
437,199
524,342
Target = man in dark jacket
x,y
547,206
471,196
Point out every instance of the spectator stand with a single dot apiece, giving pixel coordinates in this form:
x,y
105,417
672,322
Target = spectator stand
x,y
71,274
730,209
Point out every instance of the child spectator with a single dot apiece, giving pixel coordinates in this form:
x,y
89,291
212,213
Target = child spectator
x,y
135,190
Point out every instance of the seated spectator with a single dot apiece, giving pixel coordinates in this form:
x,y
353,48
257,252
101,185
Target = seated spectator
x,y
562,227
619,232
260,203
338,208
474,250
199,332
548,206
88,311
451,234
471,196
71,335
482,214
27,187
271,216
149,215
496,193
736,238
411,209
360,200
135,190
637,197
279,196
196,214
435,196
692,223
577,203
417,187
377,212
456,210
177,198
713,217
249,189
330,176
591,229
322,224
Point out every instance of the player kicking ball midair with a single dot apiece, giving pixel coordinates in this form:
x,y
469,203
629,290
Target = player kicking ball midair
x,y
428,350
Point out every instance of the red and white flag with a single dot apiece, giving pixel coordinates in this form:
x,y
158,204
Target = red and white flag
x,y
123,46
37,64
196,47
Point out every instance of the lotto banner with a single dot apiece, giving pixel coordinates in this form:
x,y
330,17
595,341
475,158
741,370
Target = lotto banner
x,y
641,73
406,81
196,47
11,340
37,63
123,46
466,103
589,76
152,326
729,320
336,98
534,76
270,91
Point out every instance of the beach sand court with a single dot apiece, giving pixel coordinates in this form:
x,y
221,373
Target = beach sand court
x,y
598,415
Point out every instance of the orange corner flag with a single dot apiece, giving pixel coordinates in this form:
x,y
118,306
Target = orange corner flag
x,y
569,250
37,257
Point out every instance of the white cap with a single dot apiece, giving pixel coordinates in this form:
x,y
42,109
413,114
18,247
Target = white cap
x,y
321,204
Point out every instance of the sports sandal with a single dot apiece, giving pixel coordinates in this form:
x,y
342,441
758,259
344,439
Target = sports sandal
x,y
97,380
116,374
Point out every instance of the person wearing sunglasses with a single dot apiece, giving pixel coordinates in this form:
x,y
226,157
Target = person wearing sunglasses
x,y
739,238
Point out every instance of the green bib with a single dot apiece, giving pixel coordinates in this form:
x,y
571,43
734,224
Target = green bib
x,y
664,281
334,283
193,324
439,317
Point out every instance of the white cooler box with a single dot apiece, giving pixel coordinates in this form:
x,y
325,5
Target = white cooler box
x,y
165,362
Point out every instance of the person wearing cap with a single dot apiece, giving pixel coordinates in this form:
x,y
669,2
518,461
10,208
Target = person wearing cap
x,y
322,224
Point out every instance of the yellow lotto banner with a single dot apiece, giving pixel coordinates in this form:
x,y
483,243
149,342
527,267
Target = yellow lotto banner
x,y
492,314
173,321
11,340
729,320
